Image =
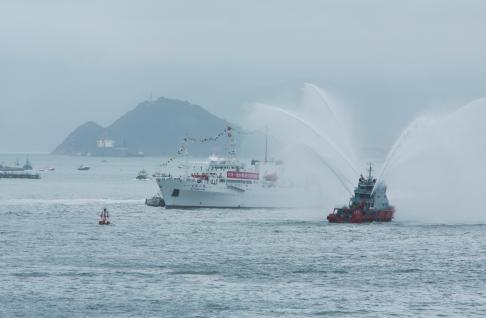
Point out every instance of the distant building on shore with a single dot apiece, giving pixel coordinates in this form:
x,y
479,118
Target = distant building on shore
x,y
105,143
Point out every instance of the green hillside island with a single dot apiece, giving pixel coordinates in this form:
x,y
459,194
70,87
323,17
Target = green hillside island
x,y
157,128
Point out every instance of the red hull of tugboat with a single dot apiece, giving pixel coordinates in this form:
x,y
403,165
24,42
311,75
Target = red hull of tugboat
x,y
358,216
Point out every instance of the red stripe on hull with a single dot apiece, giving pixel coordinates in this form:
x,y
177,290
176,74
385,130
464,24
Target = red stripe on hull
x,y
357,216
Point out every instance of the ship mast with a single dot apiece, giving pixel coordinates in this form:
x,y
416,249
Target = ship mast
x,y
370,170
266,143
185,154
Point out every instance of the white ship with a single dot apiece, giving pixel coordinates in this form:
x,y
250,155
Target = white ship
x,y
227,183
231,183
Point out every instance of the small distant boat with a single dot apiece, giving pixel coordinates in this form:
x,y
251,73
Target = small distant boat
x,y
156,201
83,168
142,175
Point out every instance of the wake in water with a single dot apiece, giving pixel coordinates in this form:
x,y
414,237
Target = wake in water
x,y
67,201
435,170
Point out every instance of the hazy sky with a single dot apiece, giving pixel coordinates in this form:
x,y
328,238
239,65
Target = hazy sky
x,y
65,62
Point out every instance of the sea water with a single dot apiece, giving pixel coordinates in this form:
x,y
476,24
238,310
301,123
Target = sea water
x,y
56,261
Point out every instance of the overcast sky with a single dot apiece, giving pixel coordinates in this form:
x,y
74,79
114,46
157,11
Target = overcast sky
x,y
66,62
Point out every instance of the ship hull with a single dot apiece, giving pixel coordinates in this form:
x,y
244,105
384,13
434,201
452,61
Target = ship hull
x,y
358,216
179,194
10,175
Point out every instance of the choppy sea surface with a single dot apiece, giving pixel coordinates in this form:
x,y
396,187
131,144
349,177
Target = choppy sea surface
x,y
56,261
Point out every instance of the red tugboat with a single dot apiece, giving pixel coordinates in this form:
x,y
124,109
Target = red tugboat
x,y
369,204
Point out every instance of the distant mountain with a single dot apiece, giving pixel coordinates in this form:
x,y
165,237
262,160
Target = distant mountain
x,y
152,128
81,140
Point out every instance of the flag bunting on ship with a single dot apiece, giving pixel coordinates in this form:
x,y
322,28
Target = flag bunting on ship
x,y
228,131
